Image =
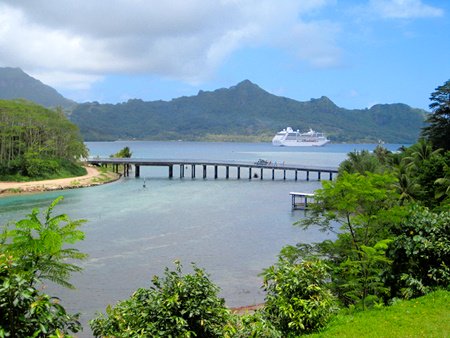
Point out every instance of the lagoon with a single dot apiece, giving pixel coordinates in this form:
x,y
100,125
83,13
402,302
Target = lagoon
x,y
231,228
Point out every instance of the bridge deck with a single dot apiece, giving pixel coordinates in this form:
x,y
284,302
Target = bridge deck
x,y
138,162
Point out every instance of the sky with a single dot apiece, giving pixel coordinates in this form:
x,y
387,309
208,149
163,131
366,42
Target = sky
x,y
356,52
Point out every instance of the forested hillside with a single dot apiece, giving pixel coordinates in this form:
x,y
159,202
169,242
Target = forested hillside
x,y
36,142
244,112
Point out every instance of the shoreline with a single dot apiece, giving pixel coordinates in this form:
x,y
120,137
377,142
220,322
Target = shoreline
x,y
93,177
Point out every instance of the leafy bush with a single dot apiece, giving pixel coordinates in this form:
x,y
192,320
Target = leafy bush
x,y
421,252
30,252
41,245
24,310
35,165
362,275
298,300
175,306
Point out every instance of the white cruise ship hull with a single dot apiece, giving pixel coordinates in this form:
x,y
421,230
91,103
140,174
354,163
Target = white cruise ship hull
x,y
279,143
290,138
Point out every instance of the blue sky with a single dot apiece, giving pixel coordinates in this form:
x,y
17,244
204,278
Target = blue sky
x,y
357,53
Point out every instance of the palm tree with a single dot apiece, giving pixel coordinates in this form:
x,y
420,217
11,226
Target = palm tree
x,y
360,162
443,184
406,185
419,152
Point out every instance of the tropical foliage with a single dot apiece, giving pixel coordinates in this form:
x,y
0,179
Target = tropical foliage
x,y
24,310
32,251
438,130
176,305
298,300
390,216
420,252
37,142
123,153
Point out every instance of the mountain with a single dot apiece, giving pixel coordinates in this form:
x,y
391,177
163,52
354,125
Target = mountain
x,y
244,112
15,84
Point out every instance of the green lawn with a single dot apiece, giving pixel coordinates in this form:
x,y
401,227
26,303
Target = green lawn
x,y
427,316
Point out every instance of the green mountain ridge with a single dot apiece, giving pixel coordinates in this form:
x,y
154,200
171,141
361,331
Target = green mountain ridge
x,y
244,112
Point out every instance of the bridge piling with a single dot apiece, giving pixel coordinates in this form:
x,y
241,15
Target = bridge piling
x,y
137,171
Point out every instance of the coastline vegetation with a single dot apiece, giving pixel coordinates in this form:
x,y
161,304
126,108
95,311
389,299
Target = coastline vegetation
x,y
38,143
389,263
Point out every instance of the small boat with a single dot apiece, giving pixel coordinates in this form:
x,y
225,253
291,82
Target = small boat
x,y
290,138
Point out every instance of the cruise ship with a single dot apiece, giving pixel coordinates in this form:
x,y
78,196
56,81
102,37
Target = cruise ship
x,y
290,138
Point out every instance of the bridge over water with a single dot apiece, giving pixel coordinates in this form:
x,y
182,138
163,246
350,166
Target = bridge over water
x,y
251,168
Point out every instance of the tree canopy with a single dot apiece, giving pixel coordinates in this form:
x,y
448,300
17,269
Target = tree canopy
x,y
438,130
35,141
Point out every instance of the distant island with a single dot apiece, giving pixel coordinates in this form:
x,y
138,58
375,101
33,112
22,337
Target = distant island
x,y
244,112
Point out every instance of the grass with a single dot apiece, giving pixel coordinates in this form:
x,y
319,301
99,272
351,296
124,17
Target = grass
x,y
427,316
58,169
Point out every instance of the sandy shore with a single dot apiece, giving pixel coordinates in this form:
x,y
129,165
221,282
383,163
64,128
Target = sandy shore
x,y
93,177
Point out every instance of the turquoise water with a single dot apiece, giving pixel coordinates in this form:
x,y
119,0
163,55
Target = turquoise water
x,y
231,228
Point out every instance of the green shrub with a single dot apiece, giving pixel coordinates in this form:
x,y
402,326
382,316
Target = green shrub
x,y
36,249
254,325
35,165
421,253
175,306
27,312
361,276
298,300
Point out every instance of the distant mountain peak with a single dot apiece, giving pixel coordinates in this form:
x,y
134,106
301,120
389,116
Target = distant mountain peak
x,y
16,84
246,84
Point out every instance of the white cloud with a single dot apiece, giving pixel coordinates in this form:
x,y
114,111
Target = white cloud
x,y
74,43
316,43
66,80
404,9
